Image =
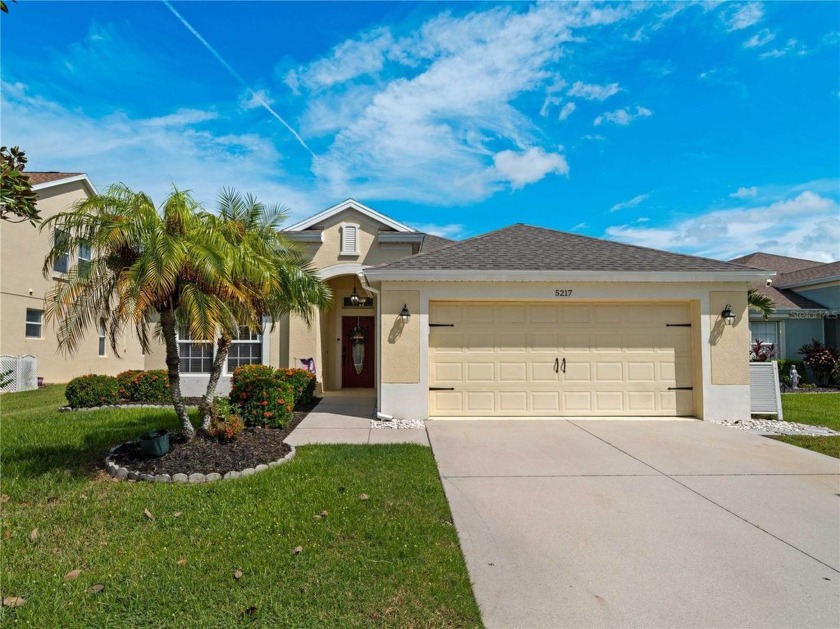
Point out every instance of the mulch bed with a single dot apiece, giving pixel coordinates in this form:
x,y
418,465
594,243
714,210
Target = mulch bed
x,y
814,390
205,455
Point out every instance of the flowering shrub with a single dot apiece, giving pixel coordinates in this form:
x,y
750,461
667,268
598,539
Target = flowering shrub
x,y
150,387
261,396
92,390
820,358
224,424
303,382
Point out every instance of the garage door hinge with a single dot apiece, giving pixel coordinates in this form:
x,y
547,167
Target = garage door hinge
x,y
441,388
677,325
680,388
441,325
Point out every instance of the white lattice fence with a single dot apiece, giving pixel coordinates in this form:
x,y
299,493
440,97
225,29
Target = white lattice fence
x,y
22,373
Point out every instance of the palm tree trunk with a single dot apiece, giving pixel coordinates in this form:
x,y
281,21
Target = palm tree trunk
x,y
222,349
173,365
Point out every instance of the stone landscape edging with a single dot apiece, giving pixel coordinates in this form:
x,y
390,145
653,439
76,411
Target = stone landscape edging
x,y
123,473
70,409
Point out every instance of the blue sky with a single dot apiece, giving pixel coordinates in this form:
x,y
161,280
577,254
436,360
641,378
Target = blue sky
x,y
707,128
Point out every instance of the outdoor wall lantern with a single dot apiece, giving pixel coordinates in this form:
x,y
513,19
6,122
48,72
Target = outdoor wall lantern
x,y
727,315
405,315
355,300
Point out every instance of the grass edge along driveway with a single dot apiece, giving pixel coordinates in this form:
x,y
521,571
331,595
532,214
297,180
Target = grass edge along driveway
x,y
390,560
815,409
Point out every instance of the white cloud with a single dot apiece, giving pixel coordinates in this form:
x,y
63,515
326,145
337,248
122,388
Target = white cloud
x,y
791,47
761,38
348,60
592,91
522,168
744,16
744,193
253,99
630,203
431,135
597,137
151,154
453,231
622,117
579,226
806,225
568,110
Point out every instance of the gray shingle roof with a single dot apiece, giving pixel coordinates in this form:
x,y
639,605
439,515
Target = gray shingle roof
x,y
772,262
787,299
433,243
818,272
525,248
35,177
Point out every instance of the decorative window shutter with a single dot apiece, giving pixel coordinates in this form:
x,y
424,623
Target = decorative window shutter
x,y
349,239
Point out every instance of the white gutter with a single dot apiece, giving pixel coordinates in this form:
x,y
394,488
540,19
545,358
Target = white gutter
x,y
60,182
471,275
378,340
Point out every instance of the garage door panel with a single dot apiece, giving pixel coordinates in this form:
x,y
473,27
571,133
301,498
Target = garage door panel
x,y
620,359
481,373
513,372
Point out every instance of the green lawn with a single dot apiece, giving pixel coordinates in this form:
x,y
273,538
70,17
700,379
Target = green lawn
x,y
815,409
392,560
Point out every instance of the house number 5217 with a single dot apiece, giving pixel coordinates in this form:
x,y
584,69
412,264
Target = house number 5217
x,y
563,292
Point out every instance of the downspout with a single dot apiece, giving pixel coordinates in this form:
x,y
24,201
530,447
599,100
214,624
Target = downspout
x,y
378,339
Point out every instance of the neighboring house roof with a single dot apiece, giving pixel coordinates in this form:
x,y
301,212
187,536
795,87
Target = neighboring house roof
x,y
523,248
785,299
772,262
433,243
811,275
349,204
47,179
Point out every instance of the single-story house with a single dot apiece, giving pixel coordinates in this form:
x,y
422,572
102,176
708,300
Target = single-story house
x,y
519,322
807,298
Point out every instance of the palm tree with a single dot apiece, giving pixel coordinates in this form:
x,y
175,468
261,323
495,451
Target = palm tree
x,y
760,303
147,264
272,274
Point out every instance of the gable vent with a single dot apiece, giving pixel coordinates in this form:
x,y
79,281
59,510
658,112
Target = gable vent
x,y
349,240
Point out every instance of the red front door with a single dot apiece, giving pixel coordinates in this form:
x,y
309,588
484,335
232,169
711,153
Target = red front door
x,y
357,352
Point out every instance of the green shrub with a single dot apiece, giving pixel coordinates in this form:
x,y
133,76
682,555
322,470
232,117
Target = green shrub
x,y
261,397
303,382
785,364
148,387
224,424
124,382
92,390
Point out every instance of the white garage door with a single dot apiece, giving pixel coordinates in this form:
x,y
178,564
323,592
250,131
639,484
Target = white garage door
x,y
532,359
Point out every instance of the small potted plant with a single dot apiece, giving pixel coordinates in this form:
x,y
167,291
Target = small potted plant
x,y
155,443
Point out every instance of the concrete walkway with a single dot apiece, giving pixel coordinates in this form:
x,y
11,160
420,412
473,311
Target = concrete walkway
x,y
346,419
592,523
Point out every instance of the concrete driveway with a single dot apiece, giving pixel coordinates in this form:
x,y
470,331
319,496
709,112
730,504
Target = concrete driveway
x,y
590,523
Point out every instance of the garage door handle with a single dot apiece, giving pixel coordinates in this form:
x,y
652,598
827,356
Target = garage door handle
x,y
556,365
441,388
680,388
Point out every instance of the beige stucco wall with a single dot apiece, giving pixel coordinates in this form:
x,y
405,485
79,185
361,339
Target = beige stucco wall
x,y
400,362
729,345
371,251
22,286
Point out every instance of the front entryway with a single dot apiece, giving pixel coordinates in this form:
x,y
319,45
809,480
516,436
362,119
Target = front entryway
x,y
358,359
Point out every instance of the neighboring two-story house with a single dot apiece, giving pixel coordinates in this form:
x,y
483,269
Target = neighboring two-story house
x,y
807,298
23,329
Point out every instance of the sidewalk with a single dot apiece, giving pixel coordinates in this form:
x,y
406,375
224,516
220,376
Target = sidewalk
x,y
346,419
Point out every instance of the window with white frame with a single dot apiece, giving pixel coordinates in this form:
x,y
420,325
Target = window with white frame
x,y
102,338
349,239
62,262
84,258
246,349
34,323
196,356
767,332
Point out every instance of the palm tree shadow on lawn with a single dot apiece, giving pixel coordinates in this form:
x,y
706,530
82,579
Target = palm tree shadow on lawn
x,y
86,459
